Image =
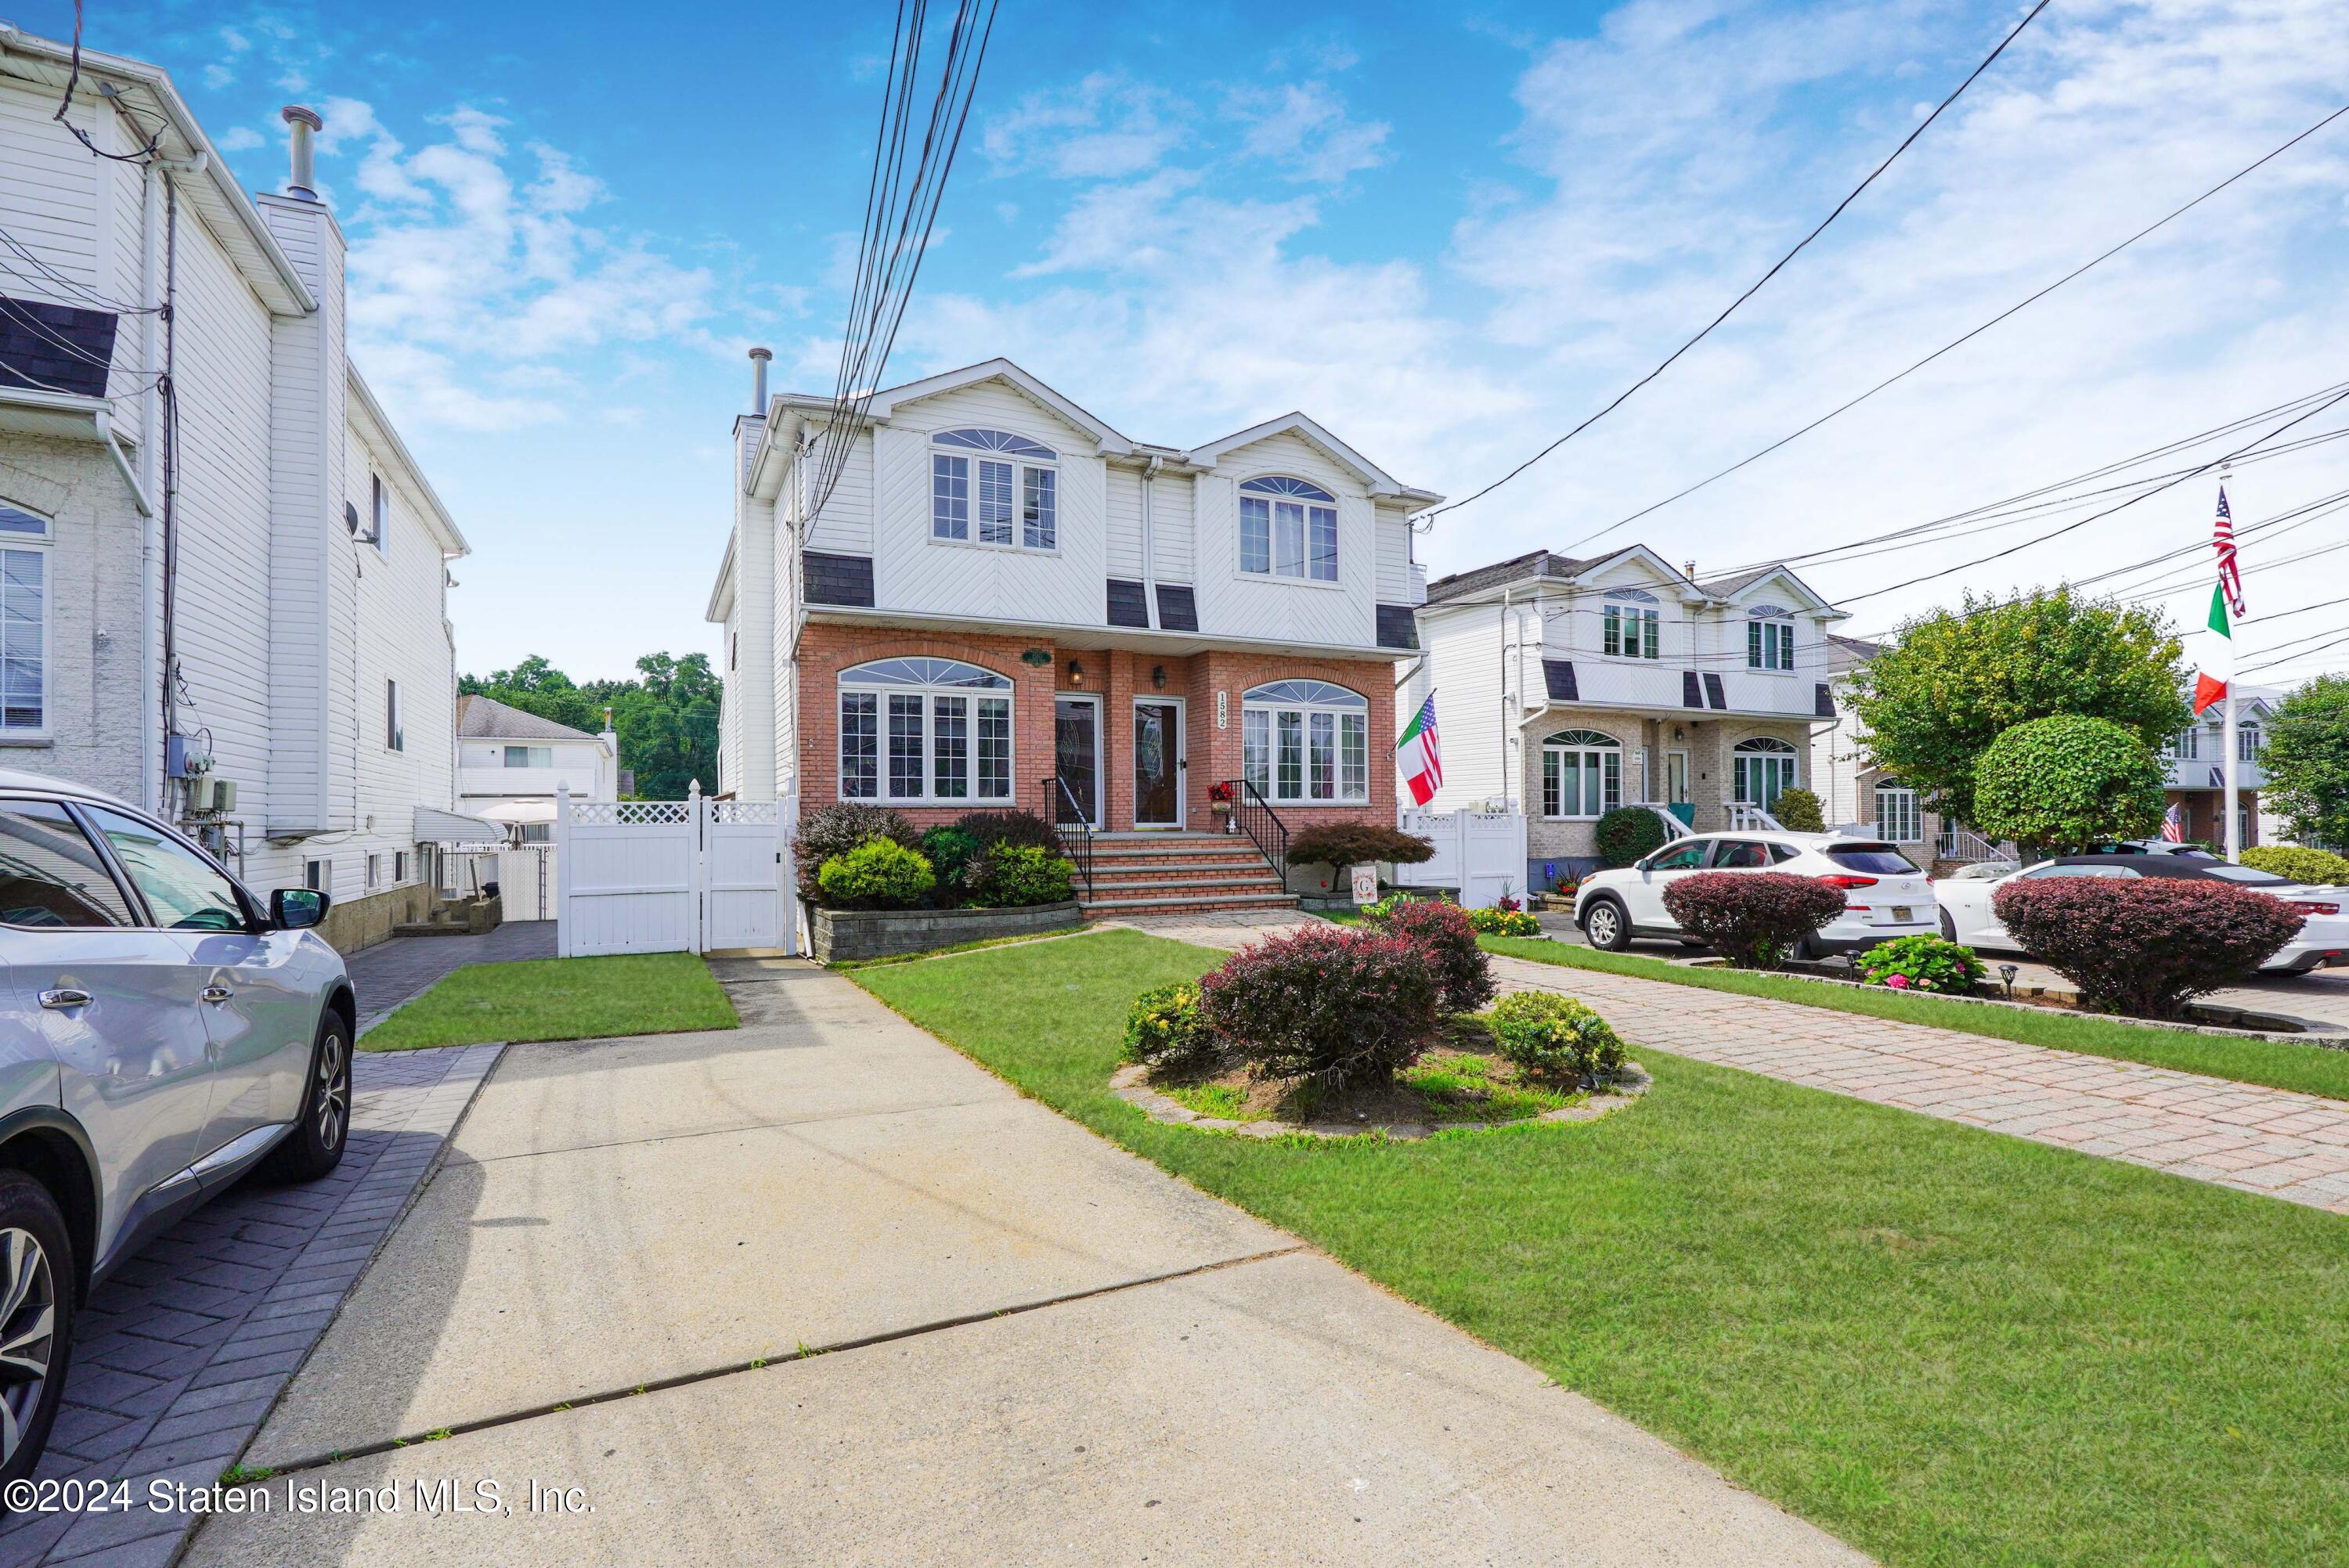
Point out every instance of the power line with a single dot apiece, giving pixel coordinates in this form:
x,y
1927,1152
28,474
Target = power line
x,y
2340,635
1425,517
1961,341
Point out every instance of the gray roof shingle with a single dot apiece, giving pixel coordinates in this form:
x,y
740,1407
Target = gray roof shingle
x,y
485,717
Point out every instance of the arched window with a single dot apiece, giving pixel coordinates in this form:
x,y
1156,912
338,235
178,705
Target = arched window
x,y
1307,741
1763,769
1769,637
925,731
1017,503
1289,528
1631,627
1582,774
24,536
1898,816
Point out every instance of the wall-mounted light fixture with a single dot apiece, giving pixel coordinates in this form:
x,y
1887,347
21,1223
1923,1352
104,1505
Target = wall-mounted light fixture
x,y
1678,734
1076,673
1158,677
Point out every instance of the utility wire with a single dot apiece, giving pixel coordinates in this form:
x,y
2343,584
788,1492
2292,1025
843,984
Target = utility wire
x,y
1958,341
1621,398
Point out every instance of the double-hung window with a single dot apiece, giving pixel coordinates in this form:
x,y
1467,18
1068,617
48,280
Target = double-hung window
x,y
1582,774
1306,742
2247,744
991,487
925,731
1289,529
1898,815
1630,626
25,538
1769,638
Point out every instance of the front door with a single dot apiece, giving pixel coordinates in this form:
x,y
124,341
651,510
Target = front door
x,y
1157,762
1076,753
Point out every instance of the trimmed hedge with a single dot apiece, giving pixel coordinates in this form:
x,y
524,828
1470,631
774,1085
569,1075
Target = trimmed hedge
x,y
879,873
2320,868
1450,938
2066,781
1555,1038
1355,843
2147,946
1753,918
1338,1005
1627,833
1006,875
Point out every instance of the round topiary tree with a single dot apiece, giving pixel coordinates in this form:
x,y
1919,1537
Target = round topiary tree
x,y
1797,812
1627,832
2064,782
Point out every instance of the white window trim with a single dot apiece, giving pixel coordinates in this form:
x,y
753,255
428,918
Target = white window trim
x,y
379,503
1640,611
44,732
1240,573
1916,813
1791,758
1306,798
1615,747
1019,465
1793,664
394,727
882,692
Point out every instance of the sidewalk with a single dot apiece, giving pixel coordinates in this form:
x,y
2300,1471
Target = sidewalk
x,y
2286,1145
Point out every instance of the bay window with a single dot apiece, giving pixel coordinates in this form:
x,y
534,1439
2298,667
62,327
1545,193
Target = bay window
x,y
1289,529
1582,774
1306,742
1007,485
925,731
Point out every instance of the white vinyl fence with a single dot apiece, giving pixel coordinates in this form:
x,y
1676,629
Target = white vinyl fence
x,y
1481,853
672,876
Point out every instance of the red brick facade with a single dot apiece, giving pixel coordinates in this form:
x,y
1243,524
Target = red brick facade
x,y
1117,676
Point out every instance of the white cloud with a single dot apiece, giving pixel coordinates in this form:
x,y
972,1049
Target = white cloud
x,y
1304,128
239,139
1106,127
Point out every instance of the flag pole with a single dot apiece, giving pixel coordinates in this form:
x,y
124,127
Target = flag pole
x,y
2234,835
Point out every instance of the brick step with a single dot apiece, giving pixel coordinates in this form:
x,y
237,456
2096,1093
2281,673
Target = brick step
x,y
1097,908
1178,863
1170,836
1264,884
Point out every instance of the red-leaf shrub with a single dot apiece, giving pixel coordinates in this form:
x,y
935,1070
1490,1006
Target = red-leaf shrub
x,y
1337,1006
1750,917
1444,929
1353,843
2145,946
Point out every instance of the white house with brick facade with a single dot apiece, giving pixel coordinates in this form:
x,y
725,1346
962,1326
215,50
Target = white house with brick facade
x,y
1568,687
266,606
1006,603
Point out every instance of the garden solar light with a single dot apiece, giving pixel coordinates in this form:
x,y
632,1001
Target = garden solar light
x,y
2006,972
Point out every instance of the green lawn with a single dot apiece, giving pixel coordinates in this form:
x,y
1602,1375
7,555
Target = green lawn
x,y
2311,1069
560,999
1945,1346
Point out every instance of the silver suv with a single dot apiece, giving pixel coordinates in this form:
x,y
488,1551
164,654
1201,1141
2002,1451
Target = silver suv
x,y
162,1033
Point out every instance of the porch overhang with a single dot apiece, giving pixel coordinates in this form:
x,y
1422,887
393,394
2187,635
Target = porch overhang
x,y
1172,644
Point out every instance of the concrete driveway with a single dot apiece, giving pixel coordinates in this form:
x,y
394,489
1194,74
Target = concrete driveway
x,y
1035,1348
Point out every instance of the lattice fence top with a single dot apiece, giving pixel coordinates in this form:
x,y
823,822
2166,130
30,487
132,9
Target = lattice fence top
x,y
618,813
760,813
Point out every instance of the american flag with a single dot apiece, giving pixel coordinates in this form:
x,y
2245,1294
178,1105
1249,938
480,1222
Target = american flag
x,y
2222,539
2173,825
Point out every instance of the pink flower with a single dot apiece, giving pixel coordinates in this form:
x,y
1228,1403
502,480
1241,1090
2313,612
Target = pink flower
x,y
1898,982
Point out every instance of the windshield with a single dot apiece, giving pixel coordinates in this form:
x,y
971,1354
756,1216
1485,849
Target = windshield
x,y
1881,859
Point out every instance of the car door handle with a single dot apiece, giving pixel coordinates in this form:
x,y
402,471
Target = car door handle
x,y
66,996
217,993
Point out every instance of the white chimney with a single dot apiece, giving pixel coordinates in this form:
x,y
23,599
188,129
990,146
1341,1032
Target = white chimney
x,y
759,358
1688,569
303,124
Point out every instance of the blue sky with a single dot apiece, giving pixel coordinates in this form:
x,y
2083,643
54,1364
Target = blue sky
x,y
1447,236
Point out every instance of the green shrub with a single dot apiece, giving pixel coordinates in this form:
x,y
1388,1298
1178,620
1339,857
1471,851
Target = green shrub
x,y
2320,868
1555,1038
1165,1032
1921,964
1503,923
835,830
1008,876
1798,811
950,850
879,873
2066,781
1357,843
1627,833
1376,914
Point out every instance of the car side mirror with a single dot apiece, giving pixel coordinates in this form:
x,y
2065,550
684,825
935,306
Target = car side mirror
x,y
298,908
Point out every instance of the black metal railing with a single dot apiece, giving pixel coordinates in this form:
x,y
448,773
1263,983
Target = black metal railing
x,y
1076,832
1252,814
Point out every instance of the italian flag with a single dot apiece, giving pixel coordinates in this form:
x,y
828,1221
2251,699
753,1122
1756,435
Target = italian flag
x,y
2209,687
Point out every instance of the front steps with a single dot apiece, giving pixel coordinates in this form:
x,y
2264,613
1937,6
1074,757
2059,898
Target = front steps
x,y
1141,875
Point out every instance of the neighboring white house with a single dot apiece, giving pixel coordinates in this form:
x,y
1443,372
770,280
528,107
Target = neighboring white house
x,y
267,606
511,763
1853,790
1566,688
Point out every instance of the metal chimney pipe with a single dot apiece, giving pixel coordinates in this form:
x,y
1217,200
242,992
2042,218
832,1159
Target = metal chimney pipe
x,y
759,358
303,124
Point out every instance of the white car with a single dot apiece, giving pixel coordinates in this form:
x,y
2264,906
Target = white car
x,y
1967,915
1885,893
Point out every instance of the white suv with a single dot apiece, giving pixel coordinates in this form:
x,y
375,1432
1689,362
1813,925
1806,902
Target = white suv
x,y
1885,893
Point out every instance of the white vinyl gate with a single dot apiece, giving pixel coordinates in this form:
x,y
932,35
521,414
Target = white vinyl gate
x,y
1482,853
672,876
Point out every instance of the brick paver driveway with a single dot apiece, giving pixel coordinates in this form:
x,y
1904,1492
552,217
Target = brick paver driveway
x,y
2290,1146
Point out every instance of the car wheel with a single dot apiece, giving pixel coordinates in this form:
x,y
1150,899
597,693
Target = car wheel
x,y
1604,926
1948,927
36,1313
315,1145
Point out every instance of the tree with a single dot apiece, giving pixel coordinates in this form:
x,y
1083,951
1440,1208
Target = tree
x,y
667,719
2307,760
2063,783
1953,681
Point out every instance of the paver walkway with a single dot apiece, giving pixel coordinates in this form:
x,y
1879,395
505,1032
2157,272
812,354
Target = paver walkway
x,y
183,1350
2290,1146
389,973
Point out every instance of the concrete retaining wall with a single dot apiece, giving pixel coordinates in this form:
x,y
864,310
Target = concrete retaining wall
x,y
848,934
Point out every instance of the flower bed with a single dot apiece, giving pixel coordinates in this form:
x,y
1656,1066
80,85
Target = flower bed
x,y
875,889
